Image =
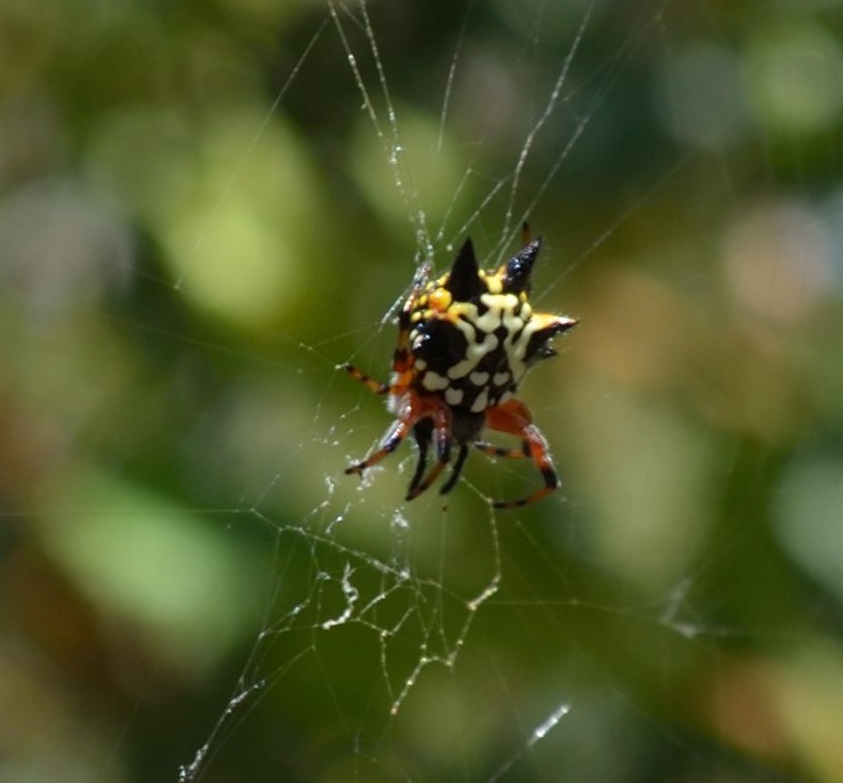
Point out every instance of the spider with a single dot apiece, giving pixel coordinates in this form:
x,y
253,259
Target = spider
x,y
465,341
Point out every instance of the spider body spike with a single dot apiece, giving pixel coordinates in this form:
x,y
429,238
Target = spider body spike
x,y
538,346
516,276
464,282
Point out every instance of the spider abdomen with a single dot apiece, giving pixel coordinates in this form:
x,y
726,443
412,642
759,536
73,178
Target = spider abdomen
x,y
474,353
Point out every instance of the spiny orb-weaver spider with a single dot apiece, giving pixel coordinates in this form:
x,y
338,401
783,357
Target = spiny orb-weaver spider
x,y
465,341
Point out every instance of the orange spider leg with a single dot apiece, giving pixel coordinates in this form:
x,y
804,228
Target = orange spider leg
x,y
497,451
401,358
440,413
391,441
376,387
513,418
411,410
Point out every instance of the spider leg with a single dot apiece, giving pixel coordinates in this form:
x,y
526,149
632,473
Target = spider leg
x,y
513,418
391,441
441,415
412,410
370,383
422,432
402,361
457,470
497,451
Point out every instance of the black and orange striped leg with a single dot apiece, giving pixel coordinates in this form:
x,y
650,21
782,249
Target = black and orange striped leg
x,y
401,359
370,383
391,441
513,418
428,418
497,451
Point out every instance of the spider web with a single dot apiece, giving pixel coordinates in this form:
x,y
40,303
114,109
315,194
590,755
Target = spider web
x,y
249,612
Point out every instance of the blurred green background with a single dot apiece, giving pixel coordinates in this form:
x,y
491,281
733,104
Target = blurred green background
x,y
199,221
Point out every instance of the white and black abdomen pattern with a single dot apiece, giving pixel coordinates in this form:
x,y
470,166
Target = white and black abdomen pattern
x,y
476,353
